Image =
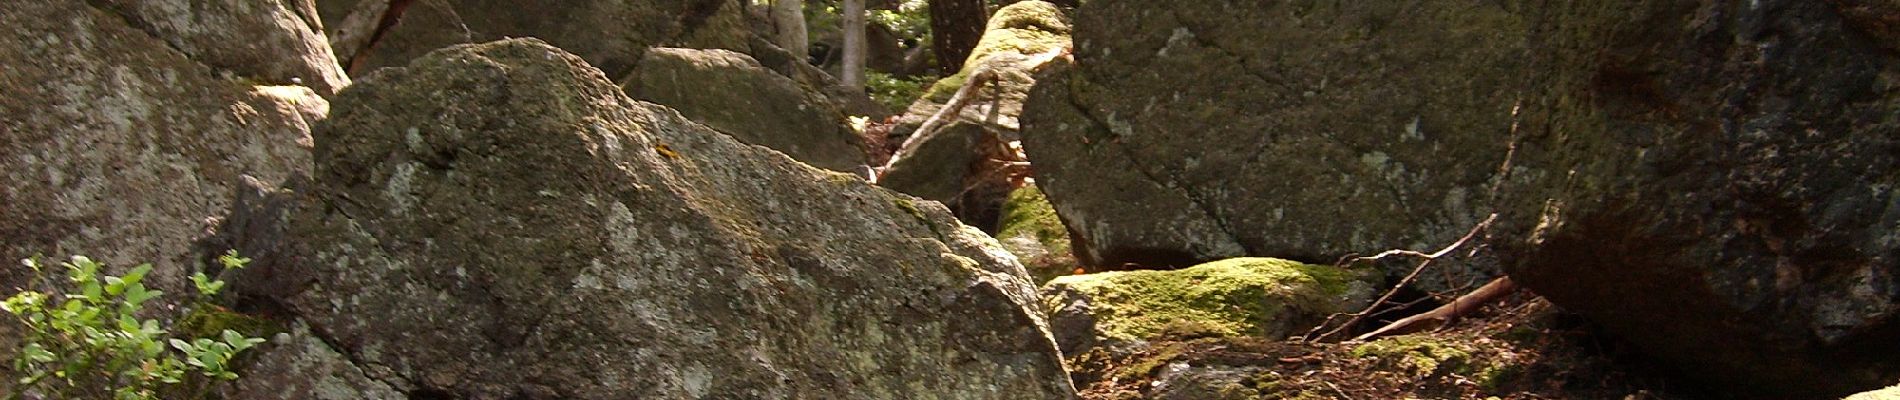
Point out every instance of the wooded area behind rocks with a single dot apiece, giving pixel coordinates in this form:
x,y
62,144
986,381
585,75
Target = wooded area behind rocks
x,y
469,199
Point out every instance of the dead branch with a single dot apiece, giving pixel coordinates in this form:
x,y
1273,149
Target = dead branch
x,y
966,94
955,106
1442,315
1425,262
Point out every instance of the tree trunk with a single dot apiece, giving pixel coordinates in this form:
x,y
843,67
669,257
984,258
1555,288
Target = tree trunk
x,y
955,27
853,73
788,18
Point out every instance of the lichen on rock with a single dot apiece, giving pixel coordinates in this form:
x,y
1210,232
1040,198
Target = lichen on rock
x,y
499,220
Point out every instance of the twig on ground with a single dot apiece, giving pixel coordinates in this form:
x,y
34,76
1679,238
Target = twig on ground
x,y
1426,262
1444,314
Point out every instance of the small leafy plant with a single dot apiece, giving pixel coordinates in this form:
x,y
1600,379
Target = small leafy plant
x,y
87,341
894,92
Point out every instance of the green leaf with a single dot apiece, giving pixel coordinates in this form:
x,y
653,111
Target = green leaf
x,y
137,274
128,324
36,353
181,345
231,260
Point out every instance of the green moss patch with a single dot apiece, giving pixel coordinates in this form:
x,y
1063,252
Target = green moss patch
x,y
1234,297
1419,356
1027,214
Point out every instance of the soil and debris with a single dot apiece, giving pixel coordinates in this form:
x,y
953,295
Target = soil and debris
x,y
1520,348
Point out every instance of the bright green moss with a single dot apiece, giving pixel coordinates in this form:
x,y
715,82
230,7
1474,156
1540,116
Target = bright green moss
x,y
1027,214
1234,297
1420,356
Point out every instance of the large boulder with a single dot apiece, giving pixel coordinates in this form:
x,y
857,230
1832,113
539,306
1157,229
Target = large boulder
x,y
610,34
947,166
121,147
501,221
1259,297
1714,177
1333,129
732,93
1707,179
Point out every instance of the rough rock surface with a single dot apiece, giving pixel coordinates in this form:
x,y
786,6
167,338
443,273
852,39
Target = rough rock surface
x,y
610,34
274,42
298,365
1334,128
1260,297
942,167
732,93
1697,176
120,147
500,221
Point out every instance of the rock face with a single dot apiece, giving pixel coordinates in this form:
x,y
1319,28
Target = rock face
x,y
1721,180
120,147
500,221
945,167
732,93
1319,140
1699,177
1261,297
610,34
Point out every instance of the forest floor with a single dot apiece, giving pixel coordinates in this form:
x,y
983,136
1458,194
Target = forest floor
x,y
1520,348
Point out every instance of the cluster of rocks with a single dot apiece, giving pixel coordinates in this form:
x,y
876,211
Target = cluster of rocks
x,y
648,199
1709,180
502,220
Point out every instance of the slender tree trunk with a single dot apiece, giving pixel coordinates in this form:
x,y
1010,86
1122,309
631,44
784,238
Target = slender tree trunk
x,y
955,28
853,44
788,17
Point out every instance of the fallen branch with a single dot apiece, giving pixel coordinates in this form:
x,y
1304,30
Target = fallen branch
x,y
1427,261
954,108
962,99
1442,315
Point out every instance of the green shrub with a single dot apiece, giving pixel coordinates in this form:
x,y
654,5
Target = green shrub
x,y
85,340
893,92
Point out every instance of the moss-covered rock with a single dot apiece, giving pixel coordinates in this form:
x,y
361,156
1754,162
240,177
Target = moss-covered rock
x,y
1237,297
1031,231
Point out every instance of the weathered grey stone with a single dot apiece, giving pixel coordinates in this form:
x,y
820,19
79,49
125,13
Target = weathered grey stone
x,y
1295,130
298,365
274,42
499,221
1708,179
119,147
732,93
